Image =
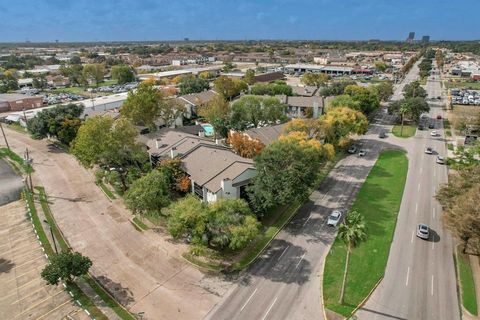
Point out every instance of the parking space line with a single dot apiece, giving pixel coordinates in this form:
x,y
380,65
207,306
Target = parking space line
x,y
433,243
306,220
413,234
37,304
298,263
285,250
431,290
59,306
408,274
416,208
270,308
418,188
248,300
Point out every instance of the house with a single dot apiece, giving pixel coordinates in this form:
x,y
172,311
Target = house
x,y
214,170
194,100
301,107
19,102
265,135
304,91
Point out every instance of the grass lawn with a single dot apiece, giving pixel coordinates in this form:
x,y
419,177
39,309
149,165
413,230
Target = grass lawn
x,y
5,153
140,223
408,131
463,84
379,202
106,190
467,286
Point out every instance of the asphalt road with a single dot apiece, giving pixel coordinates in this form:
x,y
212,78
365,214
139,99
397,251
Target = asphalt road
x,y
10,183
420,281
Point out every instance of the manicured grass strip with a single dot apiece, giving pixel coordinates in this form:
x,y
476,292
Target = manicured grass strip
x,y
106,190
139,223
51,221
264,239
379,202
37,223
86,302
408,131
202,264
109,300
17,127
446,124
4,152
467,285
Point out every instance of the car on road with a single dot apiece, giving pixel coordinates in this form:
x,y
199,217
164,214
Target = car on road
x,y
431,125
334,218
440,160
362,152
434,133
439,117
382,135
423,231
428,150
352,150
421,127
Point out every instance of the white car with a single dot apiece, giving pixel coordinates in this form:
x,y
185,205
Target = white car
x,y
428,150
440,160
334,218
423,231
362,152
434,133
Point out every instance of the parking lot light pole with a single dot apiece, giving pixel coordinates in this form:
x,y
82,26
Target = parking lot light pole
x,y
53,237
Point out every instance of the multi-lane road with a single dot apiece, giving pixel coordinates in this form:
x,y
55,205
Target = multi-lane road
x,y
420,281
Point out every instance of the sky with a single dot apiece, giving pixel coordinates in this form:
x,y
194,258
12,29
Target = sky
x,y
149,20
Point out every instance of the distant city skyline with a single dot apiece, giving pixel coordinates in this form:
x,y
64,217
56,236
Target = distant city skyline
x,y
150,20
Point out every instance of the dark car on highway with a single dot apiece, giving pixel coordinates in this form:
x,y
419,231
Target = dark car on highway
x,y
382,135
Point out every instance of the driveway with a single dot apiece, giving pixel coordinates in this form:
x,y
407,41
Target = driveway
x,y
142,269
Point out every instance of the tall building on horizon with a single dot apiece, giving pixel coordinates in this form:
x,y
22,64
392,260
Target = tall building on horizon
x,y
425,39
411,37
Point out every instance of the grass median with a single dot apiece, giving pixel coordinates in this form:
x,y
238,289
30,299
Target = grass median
x,y
379,202
408,131
467,285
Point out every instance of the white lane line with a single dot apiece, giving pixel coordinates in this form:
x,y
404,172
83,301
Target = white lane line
x,y
433,212
413,234
431,291
416,208
298,263
434,172
307,220
418,188
421,169
433,243
283,252
248,300
408,273
270,308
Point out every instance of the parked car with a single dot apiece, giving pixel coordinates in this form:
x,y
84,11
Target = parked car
x,y
440,160
421,127
434,133
431,125
439,116
362,152
334,218
423,231
428,150
382,135
352,150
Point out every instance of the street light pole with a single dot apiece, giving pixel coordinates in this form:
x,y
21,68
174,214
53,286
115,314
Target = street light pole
x,y
53,237
4,137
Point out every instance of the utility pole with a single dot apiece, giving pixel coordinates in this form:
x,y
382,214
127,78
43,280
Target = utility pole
x,y
4,137
28,162
53,237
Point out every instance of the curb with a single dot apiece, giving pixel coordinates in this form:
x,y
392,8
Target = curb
x,y
367,297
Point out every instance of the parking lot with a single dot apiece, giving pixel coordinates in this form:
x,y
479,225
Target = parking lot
x,y
24,294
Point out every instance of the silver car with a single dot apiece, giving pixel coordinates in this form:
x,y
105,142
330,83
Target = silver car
x,y
423,231
334,218
440,160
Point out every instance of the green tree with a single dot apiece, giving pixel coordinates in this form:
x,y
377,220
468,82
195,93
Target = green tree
x,y
367,97
39,82
74,72
94,72
66,266
315,79
410,108
249,76
250,111
228,87
150,193
191,84
352,231
384,90
216,112
286,171
7,82
336,88
75,60
381,66
414,90
344,100
272,89
341,122
187,216
122,73
68,130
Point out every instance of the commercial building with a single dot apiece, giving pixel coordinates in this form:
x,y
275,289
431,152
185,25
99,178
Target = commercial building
x,y
19,102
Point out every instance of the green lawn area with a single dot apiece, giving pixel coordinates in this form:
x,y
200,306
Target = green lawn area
x,y
106,190
467,285
24,167
408,131
475,85
82,91
140,223
379,202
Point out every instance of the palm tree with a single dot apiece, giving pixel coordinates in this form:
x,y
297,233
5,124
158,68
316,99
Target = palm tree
x,y
351,231
403,110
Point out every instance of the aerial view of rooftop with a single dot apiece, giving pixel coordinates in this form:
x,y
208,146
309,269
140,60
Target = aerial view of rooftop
x,y
247,160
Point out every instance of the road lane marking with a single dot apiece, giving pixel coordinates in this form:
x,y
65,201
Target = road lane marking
x,y
421,169
283,252
307,220
416,208
434,172
433,243
270,308
418,187
298,263
248,300
433,212
408,273
431,291
413,233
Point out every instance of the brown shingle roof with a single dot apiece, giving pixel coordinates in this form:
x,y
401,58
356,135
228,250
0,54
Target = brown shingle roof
x,y
266,135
